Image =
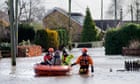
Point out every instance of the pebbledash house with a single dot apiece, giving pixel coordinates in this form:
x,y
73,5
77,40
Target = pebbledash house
x,y
58,17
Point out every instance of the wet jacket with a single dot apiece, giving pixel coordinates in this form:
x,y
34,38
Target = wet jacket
x,y
67,59
47,59
84,60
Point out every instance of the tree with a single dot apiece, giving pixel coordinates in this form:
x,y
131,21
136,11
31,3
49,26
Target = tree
x,y
28,10
31,9
89,32
136,9
114,8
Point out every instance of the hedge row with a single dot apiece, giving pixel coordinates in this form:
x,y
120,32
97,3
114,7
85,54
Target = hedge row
x,y
47,38
63,38
117,38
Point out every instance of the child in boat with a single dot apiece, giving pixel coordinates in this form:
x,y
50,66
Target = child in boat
x,y
56,58
48,57
66,58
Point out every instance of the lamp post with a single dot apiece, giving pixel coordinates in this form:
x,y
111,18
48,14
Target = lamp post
x,y
70,27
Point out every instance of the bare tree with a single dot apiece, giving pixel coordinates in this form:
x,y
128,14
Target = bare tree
x,y
114,8
28,10
136,9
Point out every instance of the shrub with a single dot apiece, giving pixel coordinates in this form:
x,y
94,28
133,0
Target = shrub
x,y
5,46
41,38
63,38
117,38
52,39
25,32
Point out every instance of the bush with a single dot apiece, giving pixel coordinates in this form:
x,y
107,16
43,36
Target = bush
x,y
52,39
5,46
117,38
41,38
25,32
63,38
47,38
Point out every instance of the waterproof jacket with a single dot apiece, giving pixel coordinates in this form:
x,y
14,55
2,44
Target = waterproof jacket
x,y
67,59
84,61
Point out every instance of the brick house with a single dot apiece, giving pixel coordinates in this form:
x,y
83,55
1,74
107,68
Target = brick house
x,y
58,17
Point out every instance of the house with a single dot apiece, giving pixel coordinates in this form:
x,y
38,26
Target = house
x,y
58,17
109,23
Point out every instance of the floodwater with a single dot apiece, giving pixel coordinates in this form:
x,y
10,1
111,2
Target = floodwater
x,y
106,71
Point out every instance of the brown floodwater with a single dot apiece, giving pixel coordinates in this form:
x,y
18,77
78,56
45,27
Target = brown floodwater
x,y
106,70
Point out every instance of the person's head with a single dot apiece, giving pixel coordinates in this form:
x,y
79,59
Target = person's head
x,y
84,51
51,50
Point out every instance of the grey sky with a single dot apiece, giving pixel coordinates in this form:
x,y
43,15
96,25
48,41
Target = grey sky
x,y
80,6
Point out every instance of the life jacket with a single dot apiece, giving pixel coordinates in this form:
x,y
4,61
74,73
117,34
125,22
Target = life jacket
x,y
65,56
47,57
84,61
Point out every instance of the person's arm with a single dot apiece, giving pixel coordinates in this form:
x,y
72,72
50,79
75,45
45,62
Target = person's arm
x,y
49,61
91,62
92,68
77,61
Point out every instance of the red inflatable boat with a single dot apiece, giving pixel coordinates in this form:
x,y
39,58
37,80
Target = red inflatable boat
x,y
50,70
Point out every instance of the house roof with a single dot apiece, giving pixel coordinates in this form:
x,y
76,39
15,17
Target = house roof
x,y
76,17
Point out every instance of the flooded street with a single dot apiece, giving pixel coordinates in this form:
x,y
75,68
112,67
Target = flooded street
x,y
106,71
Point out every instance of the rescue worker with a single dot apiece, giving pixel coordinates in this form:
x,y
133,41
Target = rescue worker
x,y
66,58
84,61
48,57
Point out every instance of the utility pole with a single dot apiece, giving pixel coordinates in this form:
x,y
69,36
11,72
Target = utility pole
x,y
121,15
70,27
137,12
131,13
16,25
102,14
30,12
13,37
115,10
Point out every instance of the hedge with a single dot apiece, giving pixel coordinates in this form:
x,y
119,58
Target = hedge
x,y
52,39
63,38
117,38
41,38
25,32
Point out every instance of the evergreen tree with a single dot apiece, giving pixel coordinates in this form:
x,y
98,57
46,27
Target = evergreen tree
x,y
89,32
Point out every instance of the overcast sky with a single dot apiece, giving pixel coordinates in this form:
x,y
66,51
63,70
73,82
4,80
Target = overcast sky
x,y
80,6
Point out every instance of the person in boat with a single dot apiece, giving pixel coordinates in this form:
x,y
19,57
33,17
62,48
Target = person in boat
x,y
48,57
84,61
66,58
56,58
